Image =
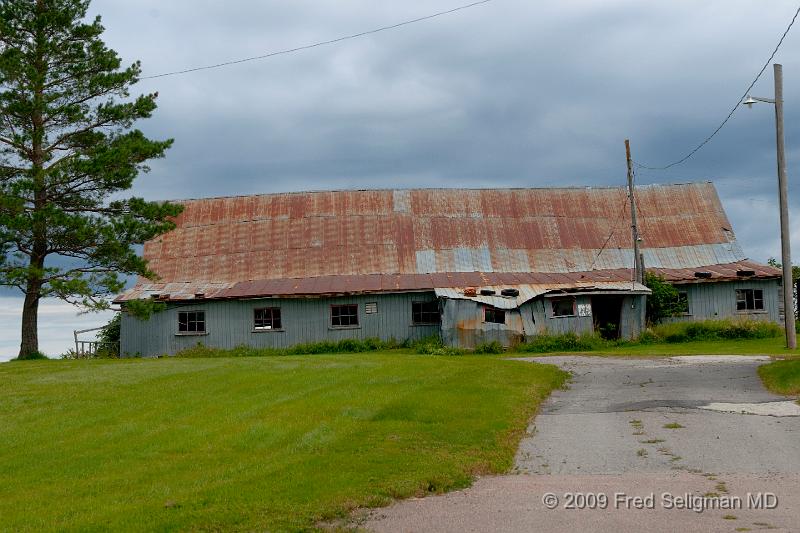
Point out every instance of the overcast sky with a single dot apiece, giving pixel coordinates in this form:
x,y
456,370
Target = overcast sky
x,y
511,93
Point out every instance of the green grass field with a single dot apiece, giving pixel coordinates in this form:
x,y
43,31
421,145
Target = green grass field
x,y
782,377
770,346
273,443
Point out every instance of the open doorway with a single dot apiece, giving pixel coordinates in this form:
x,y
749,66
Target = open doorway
x,y
607,313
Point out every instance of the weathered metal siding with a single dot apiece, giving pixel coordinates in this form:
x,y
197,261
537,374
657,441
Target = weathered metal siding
x,y
632,319
463,325
230,324
556,325
713,301
539,312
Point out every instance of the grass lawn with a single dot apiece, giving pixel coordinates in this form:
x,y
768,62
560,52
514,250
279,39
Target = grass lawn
x,y
782,377
269,443
770,346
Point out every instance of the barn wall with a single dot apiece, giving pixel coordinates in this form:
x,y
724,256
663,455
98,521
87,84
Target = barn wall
x,y
538,318
463,325
633,316
556,325
717,301
229,323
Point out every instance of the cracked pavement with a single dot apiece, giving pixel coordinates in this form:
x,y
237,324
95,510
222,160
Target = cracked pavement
x,y
681,425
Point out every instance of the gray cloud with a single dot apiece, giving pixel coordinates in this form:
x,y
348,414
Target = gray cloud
x,y
510,93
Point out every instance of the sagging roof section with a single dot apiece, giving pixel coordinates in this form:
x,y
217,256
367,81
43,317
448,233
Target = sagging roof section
x,y
392,240
528,292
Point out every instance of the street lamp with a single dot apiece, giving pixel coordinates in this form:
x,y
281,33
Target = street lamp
x,y
783,194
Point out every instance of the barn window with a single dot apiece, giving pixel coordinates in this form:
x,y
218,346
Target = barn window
x,y
344,316
425,312
563,306
749,299
494,315
191,322
267,318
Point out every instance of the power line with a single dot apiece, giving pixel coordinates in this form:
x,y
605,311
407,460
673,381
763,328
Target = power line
x,y
614,228
317,44
738,103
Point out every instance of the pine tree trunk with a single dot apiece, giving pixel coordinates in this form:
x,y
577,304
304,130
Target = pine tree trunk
x,y
30,321
30,310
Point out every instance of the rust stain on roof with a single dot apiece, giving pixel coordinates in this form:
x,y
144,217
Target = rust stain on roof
x,y
345,241
376,283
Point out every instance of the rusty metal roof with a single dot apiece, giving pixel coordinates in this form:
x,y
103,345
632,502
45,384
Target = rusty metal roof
x,y
378,240
530,291
335,285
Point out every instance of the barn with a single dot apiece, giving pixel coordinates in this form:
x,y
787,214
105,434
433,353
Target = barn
x,y
468,265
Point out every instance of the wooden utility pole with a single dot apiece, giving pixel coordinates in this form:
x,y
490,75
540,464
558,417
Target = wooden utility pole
x,y
783,193
637,261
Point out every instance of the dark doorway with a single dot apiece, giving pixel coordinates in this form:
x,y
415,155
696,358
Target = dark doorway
x,y
607,313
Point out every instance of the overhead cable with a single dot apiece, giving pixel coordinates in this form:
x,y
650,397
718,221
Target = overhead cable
x,y
738,103
317,44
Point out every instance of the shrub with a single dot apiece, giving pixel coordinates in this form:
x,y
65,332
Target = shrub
x,y
109,337
566,342
489,347
648,337
201,350
342,346
663,302
434,346
710,330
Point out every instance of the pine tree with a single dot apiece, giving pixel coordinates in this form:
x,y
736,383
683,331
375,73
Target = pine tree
x,y
67,151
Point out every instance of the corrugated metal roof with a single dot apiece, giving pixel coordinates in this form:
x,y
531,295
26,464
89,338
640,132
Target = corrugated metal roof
x,y
529,292
360,240
375,283
297,235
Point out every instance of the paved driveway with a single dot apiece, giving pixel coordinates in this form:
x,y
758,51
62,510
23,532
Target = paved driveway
x,y
693,432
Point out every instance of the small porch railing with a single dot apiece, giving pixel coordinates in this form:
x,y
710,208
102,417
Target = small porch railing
x,y
90,349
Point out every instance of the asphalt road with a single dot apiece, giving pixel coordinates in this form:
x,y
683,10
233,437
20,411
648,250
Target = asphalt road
x,y
634,445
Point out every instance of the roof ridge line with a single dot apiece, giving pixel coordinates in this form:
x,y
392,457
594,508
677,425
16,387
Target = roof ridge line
x,y
388,189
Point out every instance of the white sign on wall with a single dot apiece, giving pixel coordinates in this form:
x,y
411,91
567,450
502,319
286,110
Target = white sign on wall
x,y
584,309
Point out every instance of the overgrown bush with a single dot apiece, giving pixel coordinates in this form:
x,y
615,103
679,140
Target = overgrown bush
x,y
343,346
649,337
434,346
489,347
566,342
664,300
711,330
109,337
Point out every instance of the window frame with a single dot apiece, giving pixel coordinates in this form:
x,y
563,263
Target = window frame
x,y
422,313
559,298
488,309
748,298
272,311
355,325
188,332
